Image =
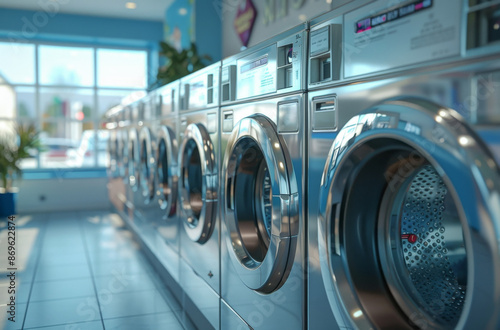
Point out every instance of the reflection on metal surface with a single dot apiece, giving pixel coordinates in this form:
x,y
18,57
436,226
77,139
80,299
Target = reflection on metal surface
x,y
432,194
252,198
133,160
146,164
431,268
198,190
259,204
166,170
193,182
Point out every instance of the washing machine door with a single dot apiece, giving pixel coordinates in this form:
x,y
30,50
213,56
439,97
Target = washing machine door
x,y
409,221
260,204
123,155
113,154
166,170
198,188
133,160
147,164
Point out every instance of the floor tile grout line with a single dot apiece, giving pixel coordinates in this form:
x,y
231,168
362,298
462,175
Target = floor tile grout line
x,y
61,279
59,299
60,324
43,230
161,287
147,314
89,264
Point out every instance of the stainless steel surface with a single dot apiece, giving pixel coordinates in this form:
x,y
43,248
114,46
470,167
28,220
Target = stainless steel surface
x,y
363,197
198,189
198,163
427,262
262,184
428,33
263,228
403,193
230,319
133,160
255,151
274,67
200,236
147,165
389,145
437,136
166,169
161,214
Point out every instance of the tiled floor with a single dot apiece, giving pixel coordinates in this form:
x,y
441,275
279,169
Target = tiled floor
x,y
81,271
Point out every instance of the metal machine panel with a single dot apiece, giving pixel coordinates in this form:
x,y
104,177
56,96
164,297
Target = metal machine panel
x,y
276,66
200,89
231,320
282,306
378,37
198,199
452,88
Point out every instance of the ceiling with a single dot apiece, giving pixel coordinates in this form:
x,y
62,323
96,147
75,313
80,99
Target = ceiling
x,y
153,10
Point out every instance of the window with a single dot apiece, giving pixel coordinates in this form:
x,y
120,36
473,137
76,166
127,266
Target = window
x,y
120,68
65,91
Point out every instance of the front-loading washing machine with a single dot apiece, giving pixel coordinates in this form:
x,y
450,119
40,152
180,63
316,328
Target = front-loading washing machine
x,y
404,200
263,117
111,124
115,174
198,195
124,125
142,150
159,164
133,164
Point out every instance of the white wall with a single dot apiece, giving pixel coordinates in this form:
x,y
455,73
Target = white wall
x,y
63,194
273,17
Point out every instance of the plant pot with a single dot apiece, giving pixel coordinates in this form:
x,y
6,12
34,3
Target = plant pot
x,y
7,204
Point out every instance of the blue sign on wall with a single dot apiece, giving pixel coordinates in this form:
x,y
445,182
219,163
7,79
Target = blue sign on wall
x,y
179,24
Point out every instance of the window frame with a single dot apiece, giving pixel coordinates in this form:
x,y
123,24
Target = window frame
x,y
96,116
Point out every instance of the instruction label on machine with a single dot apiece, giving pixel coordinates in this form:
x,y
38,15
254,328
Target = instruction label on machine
x,y
380,38
256,74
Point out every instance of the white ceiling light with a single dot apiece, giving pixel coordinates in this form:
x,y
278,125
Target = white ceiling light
x,y
183,11
130,5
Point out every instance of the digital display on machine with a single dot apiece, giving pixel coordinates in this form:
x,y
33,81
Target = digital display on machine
x,y
253,64
392,15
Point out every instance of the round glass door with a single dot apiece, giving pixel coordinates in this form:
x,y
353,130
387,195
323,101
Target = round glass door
x,y
260,203
133,160
121,153
422,246
113,154
166,169
252,200
403,220
124,156
147,163
198,188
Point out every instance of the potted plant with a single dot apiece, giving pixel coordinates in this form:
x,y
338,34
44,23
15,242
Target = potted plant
x,y
179,64
15,146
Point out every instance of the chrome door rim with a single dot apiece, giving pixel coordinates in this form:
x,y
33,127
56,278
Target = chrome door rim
x,y
124,159
167,201
113,154
147,164
439,134
270,274
133,160
197,135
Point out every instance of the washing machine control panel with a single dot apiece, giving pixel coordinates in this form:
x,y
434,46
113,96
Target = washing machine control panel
x,y
274,68
379,38
200,89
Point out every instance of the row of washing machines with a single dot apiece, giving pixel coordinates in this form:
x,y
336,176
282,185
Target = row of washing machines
x,y
343,174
